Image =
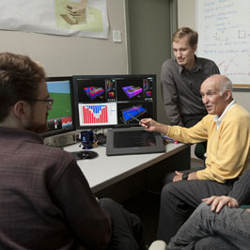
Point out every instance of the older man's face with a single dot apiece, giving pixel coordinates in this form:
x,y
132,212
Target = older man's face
x,y
214,101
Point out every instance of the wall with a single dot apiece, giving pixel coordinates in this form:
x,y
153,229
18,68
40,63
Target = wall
x,y
243,98
149,40
186,17
186,13
74,55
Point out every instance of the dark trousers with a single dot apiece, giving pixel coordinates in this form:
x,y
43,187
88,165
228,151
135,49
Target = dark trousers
x,y
179,199
214,243
127,230
207,230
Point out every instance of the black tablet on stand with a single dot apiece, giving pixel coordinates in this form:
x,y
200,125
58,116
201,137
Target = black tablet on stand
x,y
133,140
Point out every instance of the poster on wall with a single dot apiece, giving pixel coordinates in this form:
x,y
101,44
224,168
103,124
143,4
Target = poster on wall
x,y
84,18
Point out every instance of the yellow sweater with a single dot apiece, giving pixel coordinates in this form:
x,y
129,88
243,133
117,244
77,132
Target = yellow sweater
x,y
228,148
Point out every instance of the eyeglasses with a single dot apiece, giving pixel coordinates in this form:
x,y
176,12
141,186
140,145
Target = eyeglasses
x,y
49,101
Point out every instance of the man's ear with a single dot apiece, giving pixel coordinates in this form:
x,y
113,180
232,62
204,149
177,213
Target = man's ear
x,y
21,110
194,48
228,94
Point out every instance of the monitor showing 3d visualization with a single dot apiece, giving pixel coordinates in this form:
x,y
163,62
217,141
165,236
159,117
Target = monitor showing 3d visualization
x,y
114,100
60,117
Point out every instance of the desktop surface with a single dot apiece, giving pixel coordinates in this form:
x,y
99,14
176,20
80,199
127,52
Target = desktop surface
x,y
104,170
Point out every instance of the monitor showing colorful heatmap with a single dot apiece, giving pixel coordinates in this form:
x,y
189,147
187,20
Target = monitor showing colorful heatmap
x,y
113,100
60,117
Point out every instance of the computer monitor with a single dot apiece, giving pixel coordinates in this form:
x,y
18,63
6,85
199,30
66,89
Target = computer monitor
x,y
103,101
60,117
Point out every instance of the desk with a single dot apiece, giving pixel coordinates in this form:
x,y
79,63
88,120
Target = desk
x,y
105,171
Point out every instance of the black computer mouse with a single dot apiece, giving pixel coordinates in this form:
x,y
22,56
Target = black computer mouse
x,y
87,155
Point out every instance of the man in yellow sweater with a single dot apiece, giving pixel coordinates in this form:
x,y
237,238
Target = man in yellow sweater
x,y
227,130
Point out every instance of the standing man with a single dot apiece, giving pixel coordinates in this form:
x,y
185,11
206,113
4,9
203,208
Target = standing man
x,y
227,130
46,202
181,78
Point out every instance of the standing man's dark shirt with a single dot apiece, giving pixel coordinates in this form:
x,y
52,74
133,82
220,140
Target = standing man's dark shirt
x,y
181,90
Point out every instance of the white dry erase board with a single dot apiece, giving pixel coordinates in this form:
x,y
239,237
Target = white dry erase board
x,y
224,37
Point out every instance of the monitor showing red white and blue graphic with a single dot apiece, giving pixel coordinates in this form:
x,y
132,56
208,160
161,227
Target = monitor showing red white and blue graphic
x,y
113,100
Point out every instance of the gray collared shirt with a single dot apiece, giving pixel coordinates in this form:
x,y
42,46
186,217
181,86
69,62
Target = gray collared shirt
x,y
181,90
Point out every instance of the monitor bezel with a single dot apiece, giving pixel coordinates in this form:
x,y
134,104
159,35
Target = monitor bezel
x,y
96,77
65,130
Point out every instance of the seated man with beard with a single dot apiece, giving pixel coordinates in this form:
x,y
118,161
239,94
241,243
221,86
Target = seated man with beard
x,y
46,202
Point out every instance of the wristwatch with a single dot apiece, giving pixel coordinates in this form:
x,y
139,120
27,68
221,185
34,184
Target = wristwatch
x,y
185,176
